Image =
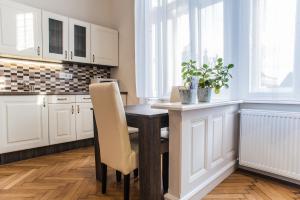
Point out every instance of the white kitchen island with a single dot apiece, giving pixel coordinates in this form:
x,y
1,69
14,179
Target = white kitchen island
x,y
203,146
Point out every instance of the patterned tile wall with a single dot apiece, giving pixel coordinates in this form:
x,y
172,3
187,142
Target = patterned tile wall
x,y
15,76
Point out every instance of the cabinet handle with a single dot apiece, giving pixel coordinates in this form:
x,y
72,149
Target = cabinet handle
x,y
86,98
72,109
93,58
66,54
62,99
78,109
38,51
44,102
71,55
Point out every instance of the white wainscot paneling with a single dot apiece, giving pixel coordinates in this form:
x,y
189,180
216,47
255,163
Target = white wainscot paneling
x,y
202,150
231,135
217,141
198,148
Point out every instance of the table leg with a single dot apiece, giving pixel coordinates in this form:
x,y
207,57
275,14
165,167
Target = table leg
x,y
149,159
97,152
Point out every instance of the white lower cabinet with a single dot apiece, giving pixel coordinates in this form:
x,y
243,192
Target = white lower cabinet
x,y
62,123
84,121
23,123
28,122
70,118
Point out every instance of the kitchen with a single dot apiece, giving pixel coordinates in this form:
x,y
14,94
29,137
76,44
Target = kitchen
x,y
53,52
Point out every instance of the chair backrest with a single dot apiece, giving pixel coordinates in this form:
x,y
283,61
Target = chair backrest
x,y
115,148
175,96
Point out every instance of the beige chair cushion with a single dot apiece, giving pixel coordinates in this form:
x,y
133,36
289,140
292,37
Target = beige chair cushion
x,y
132,130
115,147
134,141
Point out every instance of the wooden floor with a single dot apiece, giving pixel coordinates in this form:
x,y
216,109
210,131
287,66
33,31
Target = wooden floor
x,y
71,175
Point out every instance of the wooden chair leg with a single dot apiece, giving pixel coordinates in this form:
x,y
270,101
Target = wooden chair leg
x,y
165,171
118,176
126,186
104,177
136,173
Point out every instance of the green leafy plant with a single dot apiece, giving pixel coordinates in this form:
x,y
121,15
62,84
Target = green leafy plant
x,y
221,75
215,77
205,76
189,70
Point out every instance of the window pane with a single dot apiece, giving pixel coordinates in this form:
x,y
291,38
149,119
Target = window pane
x,y
55,36
212,32
272,45
80,41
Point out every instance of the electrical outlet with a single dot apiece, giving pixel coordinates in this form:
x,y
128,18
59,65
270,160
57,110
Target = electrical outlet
x,y
63,75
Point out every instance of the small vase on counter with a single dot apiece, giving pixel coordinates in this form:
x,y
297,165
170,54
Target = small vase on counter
x,y
188,94
204,94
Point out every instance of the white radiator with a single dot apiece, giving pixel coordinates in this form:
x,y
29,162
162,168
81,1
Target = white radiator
x,y
270,141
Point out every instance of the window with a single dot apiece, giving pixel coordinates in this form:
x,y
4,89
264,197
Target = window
x,y
169,32
212,32
272,46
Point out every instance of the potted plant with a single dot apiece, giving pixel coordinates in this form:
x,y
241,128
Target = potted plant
x,y
215,77
189,73
205,83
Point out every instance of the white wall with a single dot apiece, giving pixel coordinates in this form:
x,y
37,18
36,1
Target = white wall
x,y
123,20
94,11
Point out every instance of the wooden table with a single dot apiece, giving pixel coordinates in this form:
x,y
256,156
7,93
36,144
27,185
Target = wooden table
x,y
149,122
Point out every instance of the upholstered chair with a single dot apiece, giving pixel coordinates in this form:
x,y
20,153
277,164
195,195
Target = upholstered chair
x,y
116,149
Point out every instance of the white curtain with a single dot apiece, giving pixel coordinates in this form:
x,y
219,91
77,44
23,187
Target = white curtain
x,y
169,32
269,45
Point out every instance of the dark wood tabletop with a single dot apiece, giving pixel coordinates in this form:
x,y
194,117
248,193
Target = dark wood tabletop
x,y
149,121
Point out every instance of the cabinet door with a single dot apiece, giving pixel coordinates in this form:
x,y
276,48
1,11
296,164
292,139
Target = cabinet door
x,y
20,30
55,36
23,123
84,121
104,46
79,41
61,123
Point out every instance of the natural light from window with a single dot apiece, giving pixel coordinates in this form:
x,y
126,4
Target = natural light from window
x,y
212,32
272,45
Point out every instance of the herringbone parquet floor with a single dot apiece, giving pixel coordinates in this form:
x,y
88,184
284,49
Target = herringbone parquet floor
x,y
71,175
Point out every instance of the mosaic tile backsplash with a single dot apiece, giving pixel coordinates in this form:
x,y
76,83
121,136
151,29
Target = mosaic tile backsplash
x,y
18,76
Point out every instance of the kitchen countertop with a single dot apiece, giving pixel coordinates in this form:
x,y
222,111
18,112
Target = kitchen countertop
x,y
46,93
41,93
182,107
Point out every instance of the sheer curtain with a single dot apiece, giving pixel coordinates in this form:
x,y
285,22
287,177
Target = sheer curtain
x,y
171,31
269,48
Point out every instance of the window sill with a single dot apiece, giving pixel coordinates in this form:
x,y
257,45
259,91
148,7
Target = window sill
x,y
281,102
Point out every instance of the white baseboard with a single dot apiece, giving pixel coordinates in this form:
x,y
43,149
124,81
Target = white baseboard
x,y
203,189
293,181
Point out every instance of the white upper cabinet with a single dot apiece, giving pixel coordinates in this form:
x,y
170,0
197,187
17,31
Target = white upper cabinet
x,y
20,30
55,36
28,32
104,46
79,41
